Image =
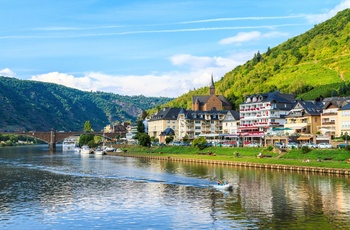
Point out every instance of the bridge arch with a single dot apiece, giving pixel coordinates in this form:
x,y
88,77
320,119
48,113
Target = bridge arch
x,y
53,137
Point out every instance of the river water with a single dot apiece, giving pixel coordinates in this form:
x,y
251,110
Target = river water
x,y
43,190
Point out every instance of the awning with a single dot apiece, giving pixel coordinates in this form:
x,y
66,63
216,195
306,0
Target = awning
x,y
297,127
248,128
304,138
209,135
281,128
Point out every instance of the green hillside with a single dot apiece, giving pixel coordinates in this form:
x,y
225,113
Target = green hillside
x,y
309,65
32,105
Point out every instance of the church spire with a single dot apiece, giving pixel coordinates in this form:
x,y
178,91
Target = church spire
x,y
212,87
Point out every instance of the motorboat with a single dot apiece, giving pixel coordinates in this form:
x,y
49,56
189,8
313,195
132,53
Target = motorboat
x,y
224,187
69,144
77,149
99,151
86,150
109,149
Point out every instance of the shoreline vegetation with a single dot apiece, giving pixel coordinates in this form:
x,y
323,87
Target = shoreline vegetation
x,y
330,161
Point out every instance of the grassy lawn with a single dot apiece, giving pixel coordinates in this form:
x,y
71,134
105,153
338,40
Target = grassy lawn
x,y
330,158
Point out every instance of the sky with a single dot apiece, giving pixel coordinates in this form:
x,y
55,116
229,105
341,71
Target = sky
x,y
158,48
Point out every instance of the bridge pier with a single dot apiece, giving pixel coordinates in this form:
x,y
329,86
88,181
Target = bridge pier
x,y
52,144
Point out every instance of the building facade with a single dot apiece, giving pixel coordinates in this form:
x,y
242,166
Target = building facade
x,y
211,101
305,117
163,119
260,113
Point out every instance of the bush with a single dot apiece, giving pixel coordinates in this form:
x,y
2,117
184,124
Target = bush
x,y
305,149
199,142
269,148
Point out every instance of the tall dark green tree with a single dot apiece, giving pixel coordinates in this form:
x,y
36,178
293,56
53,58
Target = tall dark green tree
x,y
88,127
140,126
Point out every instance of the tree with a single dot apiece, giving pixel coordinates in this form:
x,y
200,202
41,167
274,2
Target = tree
x,y
88,127
84,139
199,142
140,126
144,139
169,139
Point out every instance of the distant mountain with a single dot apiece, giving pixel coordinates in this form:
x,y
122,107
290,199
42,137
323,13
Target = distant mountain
x,y
32,105
309,65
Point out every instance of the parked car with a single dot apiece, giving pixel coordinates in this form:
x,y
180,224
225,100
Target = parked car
x,y
292,145
325,146
279,144
343,145
226,144
177,143
310,145
253,145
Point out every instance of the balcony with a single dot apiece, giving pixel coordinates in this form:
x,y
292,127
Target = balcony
x,y
328,123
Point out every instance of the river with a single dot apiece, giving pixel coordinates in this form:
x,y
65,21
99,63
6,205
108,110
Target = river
x,y
43,190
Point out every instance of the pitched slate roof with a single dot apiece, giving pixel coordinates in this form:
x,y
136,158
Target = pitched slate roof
x,y
167,132
308,108
203,99
234,113
200,115
166,114
345,107
273,96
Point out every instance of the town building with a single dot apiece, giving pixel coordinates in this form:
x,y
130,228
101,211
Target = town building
x,y
304,117
261,113
193,124
329,117
120,129
343,121
163,119
230,123
211,101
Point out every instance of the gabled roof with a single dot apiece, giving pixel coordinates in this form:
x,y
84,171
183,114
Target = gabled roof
x,y
273,96
234,113
309,107
337,102
166,114
204,99
167,132
345,107
200,115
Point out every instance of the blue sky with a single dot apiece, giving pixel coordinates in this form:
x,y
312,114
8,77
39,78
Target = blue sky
x,y
148,47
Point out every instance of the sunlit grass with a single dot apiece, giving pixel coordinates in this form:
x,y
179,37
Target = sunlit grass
x,y
334,158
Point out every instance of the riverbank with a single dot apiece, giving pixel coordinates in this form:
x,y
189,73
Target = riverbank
x,y
317,161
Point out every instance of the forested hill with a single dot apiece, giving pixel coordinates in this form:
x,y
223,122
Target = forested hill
x,y
32,105
309,65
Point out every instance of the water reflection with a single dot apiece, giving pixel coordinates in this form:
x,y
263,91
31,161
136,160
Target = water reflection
x,y
44,190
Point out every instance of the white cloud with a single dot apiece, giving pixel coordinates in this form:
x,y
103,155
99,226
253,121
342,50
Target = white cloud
x,y
250,36
7,73
241,37
318,18
171,84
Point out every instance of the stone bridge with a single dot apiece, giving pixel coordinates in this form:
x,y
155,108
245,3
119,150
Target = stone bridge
x,y
53,137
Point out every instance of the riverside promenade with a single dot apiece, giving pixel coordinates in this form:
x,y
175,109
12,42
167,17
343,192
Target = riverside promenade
x,y
321,170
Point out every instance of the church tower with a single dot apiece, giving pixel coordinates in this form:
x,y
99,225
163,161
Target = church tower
x,y
212,87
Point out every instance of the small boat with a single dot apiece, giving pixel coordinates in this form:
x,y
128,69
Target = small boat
x,y
99,151
110,149
224,187
69,144
118,151
77,149
86,150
